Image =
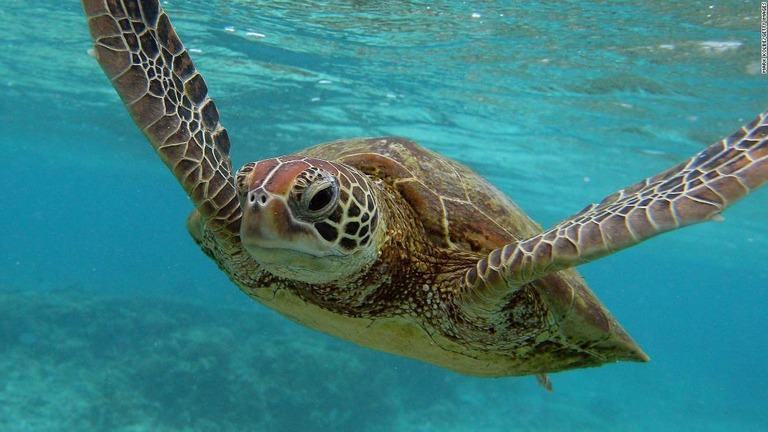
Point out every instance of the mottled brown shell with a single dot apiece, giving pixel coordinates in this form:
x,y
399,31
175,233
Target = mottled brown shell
x,y
462,211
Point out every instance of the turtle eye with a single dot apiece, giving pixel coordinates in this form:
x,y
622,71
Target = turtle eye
x,y
323,198
315,195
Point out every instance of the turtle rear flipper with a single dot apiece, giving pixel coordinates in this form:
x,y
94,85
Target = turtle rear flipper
x,y
142,56
696,190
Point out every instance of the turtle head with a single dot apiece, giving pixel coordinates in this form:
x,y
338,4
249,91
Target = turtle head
x,y
308,219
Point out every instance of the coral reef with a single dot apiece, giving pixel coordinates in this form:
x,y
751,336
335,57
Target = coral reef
x,y
73,361
82,361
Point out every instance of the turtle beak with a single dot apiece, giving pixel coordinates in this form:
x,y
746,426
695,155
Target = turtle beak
x,y
267,226
265,219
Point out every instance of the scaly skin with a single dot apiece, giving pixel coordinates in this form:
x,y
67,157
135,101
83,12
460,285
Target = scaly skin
x,y
694,191
142,56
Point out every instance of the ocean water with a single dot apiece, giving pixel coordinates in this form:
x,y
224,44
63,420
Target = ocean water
x,y
112,319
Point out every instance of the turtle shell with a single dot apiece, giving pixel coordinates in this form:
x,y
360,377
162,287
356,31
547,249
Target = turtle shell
x,y
461,211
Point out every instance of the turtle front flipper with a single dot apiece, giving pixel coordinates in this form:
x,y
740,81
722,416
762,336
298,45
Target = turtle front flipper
x,y
696,190
139,51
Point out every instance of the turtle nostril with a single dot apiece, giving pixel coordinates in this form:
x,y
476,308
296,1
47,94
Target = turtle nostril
x,y
258,196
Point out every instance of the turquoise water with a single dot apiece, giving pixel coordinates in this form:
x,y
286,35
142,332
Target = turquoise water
x,y
112,319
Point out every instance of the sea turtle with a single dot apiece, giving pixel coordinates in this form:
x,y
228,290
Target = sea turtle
x,y
395,247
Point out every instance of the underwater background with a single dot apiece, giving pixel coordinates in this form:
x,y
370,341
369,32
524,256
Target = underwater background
x,y
112,319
